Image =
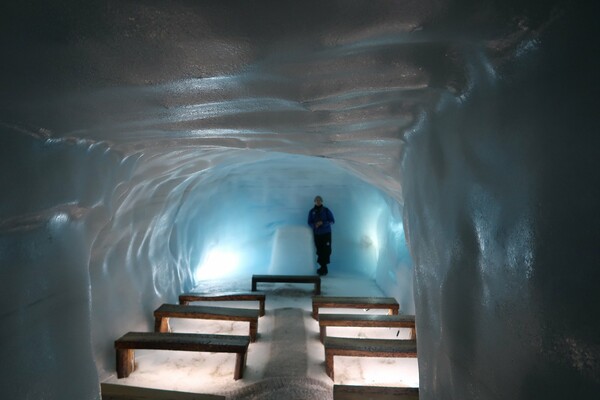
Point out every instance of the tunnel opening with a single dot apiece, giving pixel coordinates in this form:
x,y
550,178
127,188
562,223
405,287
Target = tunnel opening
x,y
196,216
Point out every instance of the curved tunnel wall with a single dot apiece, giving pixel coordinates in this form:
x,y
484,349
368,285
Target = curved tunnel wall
x,y
503,228
61,193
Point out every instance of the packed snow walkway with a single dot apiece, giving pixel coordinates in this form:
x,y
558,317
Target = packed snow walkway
x,y
287,360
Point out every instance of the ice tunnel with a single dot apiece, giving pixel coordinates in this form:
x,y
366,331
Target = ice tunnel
x,y
147,146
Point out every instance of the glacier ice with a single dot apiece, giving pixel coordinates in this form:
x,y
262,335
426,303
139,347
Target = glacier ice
x,y
143,145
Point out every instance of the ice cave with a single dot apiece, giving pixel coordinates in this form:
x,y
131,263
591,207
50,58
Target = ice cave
x,y
150,147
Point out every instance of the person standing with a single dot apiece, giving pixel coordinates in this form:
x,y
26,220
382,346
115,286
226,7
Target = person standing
x,y
320,219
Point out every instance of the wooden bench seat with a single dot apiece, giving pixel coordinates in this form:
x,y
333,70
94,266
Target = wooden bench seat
x,y
350,392
319,302
314,279
182,342
186,298
123,392
351,347
366,320
166,311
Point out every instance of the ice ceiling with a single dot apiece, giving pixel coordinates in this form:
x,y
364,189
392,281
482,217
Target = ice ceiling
x,y
141,138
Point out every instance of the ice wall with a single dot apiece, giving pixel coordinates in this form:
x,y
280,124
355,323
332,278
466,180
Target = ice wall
x,y
51,208
501,202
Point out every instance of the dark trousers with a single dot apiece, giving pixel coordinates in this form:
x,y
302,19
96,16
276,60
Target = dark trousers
x,y
323,245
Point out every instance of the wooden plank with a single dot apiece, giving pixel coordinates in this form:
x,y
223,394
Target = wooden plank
x,y
366,321
389,303
166,311
123,392
351,347
370,347
350,392
186,298
314,279
182,342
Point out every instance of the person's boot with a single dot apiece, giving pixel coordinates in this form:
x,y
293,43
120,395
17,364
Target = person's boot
x,y
322,270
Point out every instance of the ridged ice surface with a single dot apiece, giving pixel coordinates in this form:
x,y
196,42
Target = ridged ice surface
x,y
146,146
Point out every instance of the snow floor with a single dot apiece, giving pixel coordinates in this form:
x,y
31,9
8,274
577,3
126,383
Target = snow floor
x,y
212,373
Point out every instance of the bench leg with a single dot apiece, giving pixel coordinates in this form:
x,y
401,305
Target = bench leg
x,y
318,287
125,362
161,324
413,334
393,311
253,330
329,363
315,312
240,364
322,332
261,307
253,285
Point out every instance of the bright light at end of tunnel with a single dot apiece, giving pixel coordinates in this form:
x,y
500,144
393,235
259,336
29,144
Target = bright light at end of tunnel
x,y
371,241
218,263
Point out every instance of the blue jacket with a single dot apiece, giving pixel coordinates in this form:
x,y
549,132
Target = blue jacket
x,y
324,215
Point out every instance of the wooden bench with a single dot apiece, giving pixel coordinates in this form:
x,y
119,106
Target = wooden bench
x,y
354,302
166,311
124,392
351,347
350,392
314,279
186,298
366,320
181,342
